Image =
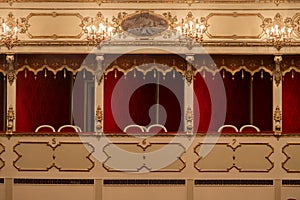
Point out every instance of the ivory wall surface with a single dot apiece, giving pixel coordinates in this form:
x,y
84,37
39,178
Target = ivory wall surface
x,y
253,178
50,192
2,192
234,193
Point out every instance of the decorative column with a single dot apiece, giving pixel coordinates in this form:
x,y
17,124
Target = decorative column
x,y
277,96
189,96
11,94
99,94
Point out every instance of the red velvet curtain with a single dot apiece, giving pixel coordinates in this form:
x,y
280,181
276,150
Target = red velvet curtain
x,y
291,103
202,111
238,98
2,102
43,100
262,101
134,96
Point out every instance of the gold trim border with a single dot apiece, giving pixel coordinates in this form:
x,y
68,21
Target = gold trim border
x,y
288,158
143,148
53,165
54,36
1,160
233,164
235,15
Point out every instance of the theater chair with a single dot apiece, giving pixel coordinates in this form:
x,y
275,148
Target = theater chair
x,y
134,129
69,129
249,129
44,129
228,128
156,128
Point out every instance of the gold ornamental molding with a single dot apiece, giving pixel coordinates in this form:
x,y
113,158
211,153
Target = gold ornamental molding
x,y
189,2
241,26
45,26
244,157
296,21
64,156
144,156
2,150
291,163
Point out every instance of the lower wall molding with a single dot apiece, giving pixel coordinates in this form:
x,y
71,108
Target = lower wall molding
x,y
143,182
233,182
54,181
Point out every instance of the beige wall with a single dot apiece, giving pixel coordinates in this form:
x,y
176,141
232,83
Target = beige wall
x,y
262,159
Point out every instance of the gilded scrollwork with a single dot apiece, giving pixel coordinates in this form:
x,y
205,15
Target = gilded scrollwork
x,y
10,120
99,71
277,119
189,73
99,119
12,26
296,21
189,120
277,74
116,23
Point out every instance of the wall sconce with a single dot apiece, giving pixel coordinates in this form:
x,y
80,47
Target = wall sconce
x,y
192,28
97,29
278,31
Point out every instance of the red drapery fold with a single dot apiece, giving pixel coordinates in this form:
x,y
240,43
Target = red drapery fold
x,y
262,101
132,99
202,117
291,103
43,100
238,98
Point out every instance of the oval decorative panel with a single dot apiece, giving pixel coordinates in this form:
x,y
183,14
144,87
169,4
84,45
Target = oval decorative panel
x,y
144,24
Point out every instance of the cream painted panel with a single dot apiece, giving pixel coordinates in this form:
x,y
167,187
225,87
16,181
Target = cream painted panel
x,y
254,157
33,156
290,192
292,162
234,26
51,192
218,159
234,193
144,193
73,157
2,191
54,25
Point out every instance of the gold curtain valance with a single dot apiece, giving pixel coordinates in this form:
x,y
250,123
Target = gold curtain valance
x,y
145,63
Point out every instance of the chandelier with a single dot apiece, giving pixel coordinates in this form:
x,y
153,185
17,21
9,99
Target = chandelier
x,y
193,29
9,31
278,31
97,29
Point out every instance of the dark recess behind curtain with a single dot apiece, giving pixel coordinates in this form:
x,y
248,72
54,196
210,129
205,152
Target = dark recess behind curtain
x,y
43,100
